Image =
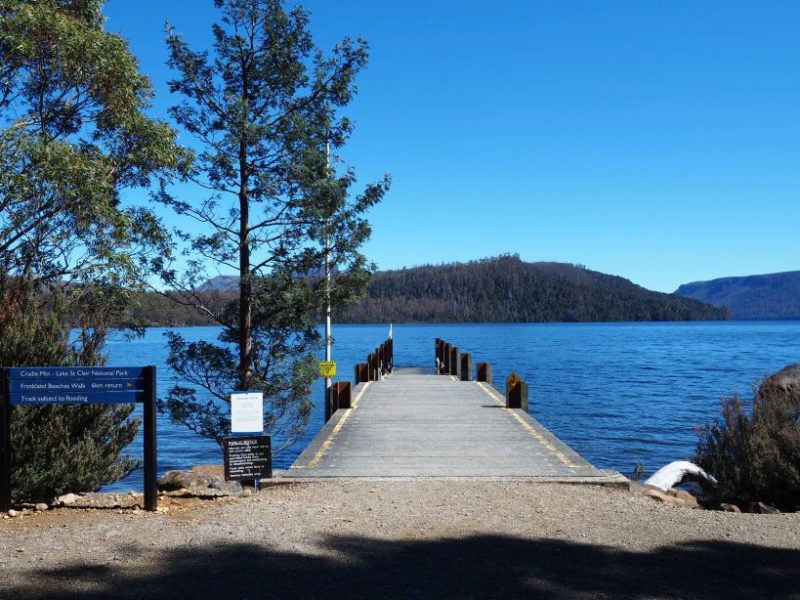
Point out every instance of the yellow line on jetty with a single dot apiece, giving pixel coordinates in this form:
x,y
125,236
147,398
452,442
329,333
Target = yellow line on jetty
x,y
327,444
543,441
532,430
493,396
361,393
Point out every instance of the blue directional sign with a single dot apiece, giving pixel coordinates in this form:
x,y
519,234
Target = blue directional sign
x,y
79,385
48,373
77,398
76,385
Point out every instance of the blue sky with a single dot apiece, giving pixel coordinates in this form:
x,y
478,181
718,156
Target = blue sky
x,y
653,140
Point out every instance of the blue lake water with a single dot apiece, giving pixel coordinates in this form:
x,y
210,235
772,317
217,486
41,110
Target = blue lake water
x,y
617,393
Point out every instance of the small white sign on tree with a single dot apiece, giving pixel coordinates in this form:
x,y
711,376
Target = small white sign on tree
x,y
247,412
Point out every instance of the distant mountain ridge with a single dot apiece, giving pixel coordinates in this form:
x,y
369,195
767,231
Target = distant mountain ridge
x,y
506,289
221,283
769,296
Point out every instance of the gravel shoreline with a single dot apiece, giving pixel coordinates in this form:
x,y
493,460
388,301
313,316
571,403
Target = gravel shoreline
x,y
405,538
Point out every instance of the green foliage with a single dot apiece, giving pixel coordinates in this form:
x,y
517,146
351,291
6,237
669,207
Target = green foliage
x,y
755,455
59,449
506,289
73,133
263,109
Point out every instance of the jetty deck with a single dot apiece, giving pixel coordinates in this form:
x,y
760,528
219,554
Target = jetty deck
x,y
414,423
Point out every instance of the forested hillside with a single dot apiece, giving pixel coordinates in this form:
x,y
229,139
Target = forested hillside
x,y
506,289
152,309
503,289
774,296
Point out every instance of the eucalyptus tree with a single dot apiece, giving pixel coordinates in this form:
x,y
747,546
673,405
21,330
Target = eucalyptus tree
x,y
263,202
73,135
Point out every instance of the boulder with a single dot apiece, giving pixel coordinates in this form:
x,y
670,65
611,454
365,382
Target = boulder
x,y
98,500
66,500
761,508
203,481
730,507
689,501
663,497
785,382
105,500
41,507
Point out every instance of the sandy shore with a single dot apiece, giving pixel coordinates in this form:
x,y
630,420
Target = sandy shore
x,y
467,538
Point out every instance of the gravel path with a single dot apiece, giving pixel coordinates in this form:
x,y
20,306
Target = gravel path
x,y
423,538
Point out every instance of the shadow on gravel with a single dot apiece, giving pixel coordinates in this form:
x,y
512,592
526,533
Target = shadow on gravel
x,y
475,567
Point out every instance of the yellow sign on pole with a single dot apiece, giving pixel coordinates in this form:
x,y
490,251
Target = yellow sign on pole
x,y
327,368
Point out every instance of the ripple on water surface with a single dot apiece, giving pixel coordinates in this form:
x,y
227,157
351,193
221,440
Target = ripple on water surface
x,y
617,393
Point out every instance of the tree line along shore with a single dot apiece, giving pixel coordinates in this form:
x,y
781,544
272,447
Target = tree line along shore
x,y
499,289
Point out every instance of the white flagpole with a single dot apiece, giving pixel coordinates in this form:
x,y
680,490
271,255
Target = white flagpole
x,y
327,280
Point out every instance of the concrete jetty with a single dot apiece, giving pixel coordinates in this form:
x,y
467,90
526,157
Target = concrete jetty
x,y
414,423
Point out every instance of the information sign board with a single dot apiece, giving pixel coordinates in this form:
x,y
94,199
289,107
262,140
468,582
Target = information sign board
x,y
79,385
76,385
247,457
327,368
247,412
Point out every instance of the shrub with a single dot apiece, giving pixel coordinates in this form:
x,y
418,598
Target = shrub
x,y
60,449
57,449
755,454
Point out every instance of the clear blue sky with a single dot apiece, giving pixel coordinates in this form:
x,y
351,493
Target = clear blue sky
x,y
657,140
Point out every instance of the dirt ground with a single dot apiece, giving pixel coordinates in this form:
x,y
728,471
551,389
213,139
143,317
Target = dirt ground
x,y
410,538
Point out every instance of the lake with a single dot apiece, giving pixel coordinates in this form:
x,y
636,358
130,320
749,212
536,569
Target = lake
x,y
617,393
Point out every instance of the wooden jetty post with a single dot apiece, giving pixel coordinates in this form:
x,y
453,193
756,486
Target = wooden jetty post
x,y
379,363
484,372
445,359
466,366
454,361
372,360
516,392
344,394
339,396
